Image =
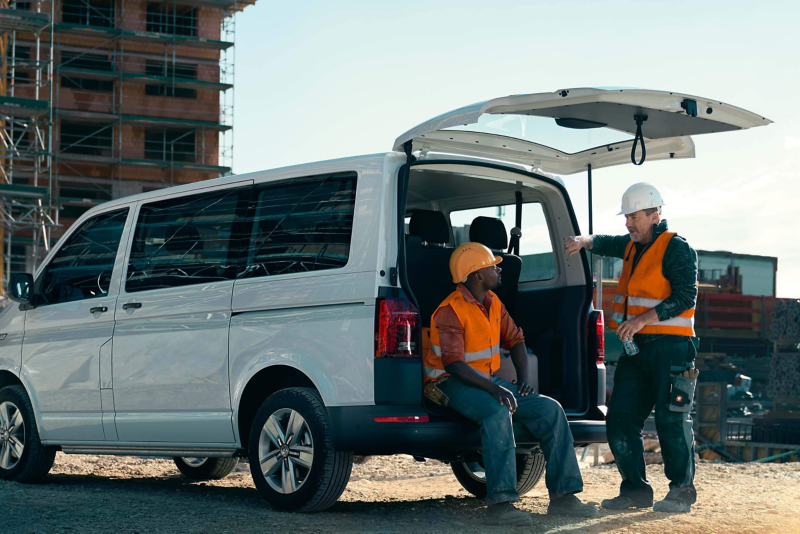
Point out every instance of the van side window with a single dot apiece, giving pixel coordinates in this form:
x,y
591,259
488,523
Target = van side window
x,y
301,225
187,240
81,269
535,246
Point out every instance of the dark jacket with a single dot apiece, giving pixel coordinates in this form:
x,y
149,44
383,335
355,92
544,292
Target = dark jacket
x,y
679,267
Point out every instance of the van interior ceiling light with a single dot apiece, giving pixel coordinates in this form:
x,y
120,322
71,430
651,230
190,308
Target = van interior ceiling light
x,y
579,124
639,137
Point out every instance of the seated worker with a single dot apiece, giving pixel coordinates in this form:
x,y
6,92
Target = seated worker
x,y
467,330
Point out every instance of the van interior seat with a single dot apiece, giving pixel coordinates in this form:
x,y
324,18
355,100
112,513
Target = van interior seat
x,y
431,227
491,231
183,238
428,261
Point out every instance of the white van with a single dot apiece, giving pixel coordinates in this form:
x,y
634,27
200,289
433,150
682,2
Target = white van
x,y
281,315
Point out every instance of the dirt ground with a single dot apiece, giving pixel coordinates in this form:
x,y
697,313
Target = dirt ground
x,y
386,494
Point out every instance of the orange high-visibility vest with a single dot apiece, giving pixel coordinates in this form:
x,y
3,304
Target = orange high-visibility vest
x,y
646,288
481,337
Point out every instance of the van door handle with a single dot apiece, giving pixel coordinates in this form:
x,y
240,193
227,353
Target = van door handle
x,y
132,305
98,309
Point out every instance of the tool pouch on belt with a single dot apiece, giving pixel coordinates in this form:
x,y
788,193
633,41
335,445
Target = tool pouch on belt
x,y
435,394
681,390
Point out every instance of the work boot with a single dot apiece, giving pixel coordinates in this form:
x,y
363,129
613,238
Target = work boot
x,y
672,506
506,514
623,502
572,506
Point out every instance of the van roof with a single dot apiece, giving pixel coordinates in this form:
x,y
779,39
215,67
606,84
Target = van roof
x,y
318,167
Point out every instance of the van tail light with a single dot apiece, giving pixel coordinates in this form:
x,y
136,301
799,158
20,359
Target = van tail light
x,y
599,338
396,329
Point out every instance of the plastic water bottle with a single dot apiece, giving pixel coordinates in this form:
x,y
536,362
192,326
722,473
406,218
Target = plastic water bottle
x,y
630,347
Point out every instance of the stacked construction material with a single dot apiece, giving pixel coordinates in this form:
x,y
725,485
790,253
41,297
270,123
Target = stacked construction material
x,y
784,375
785,330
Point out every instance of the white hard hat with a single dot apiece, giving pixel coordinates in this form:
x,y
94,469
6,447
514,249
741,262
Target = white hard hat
x,y
640,196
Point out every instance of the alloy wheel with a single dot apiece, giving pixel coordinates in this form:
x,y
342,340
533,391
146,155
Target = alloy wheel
x,y
475,470
193,462
12,435
286,450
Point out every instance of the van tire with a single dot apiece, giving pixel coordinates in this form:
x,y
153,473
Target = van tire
x,y
533,466
36,460
530,468
209,469
325,481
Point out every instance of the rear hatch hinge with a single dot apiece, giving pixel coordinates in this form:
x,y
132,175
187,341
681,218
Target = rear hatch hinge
x,y
690,106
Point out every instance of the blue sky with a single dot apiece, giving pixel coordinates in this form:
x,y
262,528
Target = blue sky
x,y
322,80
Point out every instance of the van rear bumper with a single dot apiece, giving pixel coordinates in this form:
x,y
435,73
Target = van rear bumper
x,y
586,432
356,430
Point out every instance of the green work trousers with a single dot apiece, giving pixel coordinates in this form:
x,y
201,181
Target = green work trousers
x,y
641,382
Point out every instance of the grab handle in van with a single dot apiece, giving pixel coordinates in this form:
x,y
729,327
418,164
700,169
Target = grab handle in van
x,y
132,305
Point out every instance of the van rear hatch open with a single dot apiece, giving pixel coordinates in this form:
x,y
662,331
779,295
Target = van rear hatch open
x,y
565,131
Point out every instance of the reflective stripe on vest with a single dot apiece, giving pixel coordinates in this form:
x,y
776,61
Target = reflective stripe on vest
x,y
645,289
470,356
430,372
481,337
641,305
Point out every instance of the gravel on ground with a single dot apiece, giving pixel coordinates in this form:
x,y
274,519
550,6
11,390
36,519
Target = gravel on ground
x,y
386,494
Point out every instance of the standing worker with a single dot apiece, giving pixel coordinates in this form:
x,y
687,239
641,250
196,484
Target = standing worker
x,y
654,309
467,330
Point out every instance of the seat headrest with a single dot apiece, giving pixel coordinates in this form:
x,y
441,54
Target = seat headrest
x,y
431,226
183,237
489,231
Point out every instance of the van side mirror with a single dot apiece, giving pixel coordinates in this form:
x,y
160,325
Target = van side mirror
x,y
21,287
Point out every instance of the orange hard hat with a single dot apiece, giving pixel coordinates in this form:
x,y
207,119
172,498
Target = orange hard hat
x,y
469,258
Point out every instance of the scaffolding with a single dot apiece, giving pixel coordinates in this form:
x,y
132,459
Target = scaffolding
x,y
27,213
102,99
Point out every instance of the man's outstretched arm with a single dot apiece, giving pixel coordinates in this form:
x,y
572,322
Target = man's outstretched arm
x,y
612,246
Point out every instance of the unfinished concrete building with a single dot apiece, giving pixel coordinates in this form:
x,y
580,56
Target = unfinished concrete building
x,y
101,99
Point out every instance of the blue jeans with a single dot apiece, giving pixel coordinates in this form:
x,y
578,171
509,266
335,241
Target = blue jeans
x,y
542,419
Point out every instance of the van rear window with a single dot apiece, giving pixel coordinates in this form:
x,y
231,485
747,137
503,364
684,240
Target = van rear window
x,y
535,247
301,225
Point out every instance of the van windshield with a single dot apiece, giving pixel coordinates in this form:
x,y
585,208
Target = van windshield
x,y
544,131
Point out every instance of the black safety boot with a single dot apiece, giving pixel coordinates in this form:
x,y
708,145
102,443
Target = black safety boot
x,y
672,506
570,505
623,502
506,514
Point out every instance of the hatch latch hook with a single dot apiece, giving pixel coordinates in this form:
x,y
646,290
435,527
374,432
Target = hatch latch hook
x,y
639,138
